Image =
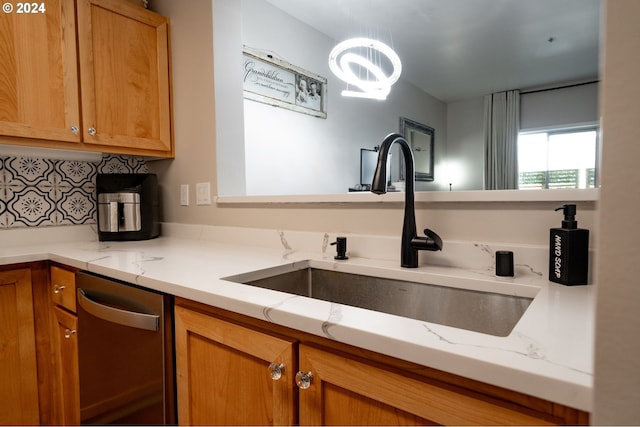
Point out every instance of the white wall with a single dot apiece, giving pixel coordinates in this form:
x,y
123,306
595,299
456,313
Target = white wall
x,y
288,152
227,20
465,144
617,364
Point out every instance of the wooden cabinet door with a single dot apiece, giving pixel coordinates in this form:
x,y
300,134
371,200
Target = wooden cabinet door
x,y
18,369
223,373
124,74
345,391
38,73
68,366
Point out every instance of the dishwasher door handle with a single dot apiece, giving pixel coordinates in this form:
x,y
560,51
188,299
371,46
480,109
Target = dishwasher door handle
x,y
150,322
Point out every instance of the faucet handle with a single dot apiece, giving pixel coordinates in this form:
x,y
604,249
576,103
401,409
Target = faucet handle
x,y
432,242
434,236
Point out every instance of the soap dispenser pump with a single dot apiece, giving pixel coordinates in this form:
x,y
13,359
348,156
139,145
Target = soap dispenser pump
x,y
569,250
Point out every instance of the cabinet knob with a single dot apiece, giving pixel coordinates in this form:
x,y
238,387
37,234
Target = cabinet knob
x,y
276,370
91,131
68,333
303,379
58,288
74,129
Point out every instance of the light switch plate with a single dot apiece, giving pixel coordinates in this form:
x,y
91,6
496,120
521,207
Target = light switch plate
x,y
184,194
203,193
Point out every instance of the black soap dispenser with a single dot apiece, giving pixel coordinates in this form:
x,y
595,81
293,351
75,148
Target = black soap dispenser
x,y
569,250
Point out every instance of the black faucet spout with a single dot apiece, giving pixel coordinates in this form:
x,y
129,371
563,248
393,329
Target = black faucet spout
x,y
411,243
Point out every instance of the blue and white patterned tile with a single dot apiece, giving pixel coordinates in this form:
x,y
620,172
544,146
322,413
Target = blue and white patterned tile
x,y
2,172
2,180
54,185
43,192
77,206
29,207
137,164
9,184
3,196
76,173
112,163
3,213
27,171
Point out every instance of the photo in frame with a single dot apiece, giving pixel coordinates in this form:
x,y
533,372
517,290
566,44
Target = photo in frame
x,y
275,82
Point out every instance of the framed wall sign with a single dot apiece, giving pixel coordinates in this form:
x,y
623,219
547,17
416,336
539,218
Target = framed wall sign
x,y
275,82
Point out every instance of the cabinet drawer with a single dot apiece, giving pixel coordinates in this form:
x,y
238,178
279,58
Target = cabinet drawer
x,y
63,287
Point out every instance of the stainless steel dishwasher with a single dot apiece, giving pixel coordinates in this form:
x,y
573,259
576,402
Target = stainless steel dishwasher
x,y
125,353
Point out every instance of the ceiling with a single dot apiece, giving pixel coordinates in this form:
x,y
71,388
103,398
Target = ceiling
x,y
459,49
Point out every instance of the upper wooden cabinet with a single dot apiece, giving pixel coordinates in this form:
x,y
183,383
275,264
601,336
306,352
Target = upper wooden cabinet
x,y
39,95
124,75
98,82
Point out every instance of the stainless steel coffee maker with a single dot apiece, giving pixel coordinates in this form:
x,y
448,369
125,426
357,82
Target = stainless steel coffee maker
x,y
127,207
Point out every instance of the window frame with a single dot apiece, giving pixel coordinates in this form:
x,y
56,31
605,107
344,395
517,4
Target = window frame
x,y
559,131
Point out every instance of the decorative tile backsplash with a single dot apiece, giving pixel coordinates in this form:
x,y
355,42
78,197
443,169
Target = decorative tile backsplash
x,y
37,192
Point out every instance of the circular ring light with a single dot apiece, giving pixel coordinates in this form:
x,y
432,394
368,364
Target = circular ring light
x,y
340,61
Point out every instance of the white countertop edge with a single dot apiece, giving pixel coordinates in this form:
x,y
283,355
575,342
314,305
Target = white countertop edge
x,y
556,195
530,375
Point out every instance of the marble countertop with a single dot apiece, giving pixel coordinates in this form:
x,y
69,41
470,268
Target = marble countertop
x,y
549,353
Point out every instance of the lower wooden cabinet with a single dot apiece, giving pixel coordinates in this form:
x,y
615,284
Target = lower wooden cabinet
x,y
224,375
224,363
62,306
345,391
18,363
68,379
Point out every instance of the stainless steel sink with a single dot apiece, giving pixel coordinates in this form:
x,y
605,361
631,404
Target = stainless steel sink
x,y
486,312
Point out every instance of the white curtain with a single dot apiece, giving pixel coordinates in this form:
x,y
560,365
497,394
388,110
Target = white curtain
x,y
501,127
